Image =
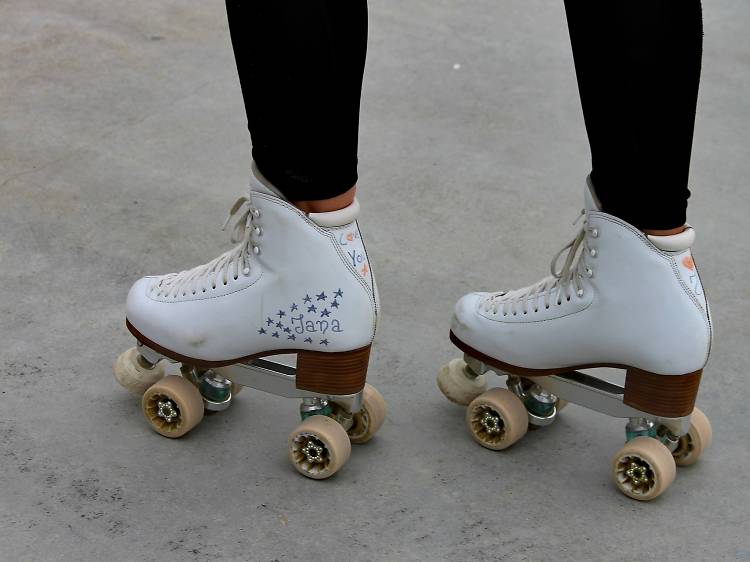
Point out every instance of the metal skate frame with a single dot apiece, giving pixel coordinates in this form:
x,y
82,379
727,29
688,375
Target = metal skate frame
x,y
267,376
590,392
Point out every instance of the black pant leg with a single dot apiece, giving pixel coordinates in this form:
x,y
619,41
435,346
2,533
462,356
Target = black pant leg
x,y
300,65
638,66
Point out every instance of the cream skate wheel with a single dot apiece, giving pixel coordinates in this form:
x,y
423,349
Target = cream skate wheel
x,y
370,418
319,447
698,438
457,385
497,419
173,406
643,468
133,373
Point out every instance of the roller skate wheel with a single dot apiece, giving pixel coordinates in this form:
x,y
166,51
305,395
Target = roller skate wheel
x,y
698,438
497,419
457,385
173,406
643,468
370,418
133,374
319,447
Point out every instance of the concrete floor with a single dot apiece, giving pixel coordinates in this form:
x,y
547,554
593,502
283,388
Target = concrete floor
x,y
122,144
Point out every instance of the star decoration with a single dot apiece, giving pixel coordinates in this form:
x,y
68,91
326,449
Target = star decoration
x,y
280,313
269,322
324,342
287,330
293,307
308,340
311,308
262,331
307,298
292,337
321,296
325,312
275,335
339,293
335,304
279,325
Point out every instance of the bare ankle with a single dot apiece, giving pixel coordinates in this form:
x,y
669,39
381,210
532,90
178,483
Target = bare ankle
x,y
668,232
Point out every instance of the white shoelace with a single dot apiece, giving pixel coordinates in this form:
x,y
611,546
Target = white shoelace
x,y
560,281
233,262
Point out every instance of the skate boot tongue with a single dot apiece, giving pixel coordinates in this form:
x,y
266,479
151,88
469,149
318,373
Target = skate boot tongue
x,y
259,183
590,199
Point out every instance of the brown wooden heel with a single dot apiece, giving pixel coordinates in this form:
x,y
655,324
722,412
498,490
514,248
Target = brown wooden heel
x,y
669,396
336,373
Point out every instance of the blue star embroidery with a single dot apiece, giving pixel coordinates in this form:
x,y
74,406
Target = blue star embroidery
x,y
311,308
262,331
279,325
275,335
287,330
269,322
339,293
325,312
321,296
308,340
280,313
292,337
324,342
307,298
293,307
335,304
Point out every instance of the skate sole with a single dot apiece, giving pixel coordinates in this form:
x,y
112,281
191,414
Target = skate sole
x,y
669,396
337,373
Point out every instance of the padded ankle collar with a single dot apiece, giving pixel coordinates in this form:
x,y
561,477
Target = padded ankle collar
x,y
674,242
341,217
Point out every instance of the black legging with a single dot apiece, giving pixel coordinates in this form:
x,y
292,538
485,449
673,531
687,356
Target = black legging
x,y
638,66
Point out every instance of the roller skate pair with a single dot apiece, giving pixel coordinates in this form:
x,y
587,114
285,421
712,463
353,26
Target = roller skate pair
x,y
301,284
621,299
293,284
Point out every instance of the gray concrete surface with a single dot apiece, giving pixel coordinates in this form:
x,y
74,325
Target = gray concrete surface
x,y
122,143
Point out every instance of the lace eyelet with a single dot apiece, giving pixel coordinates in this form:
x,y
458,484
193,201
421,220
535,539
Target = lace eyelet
x,y
246,271
592,252
579,292
236,277
568,299
589,272
258,231
595,232
256,213
256,250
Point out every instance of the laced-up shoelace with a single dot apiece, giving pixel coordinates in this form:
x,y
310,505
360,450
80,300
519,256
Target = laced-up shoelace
x,y
561,281
233,262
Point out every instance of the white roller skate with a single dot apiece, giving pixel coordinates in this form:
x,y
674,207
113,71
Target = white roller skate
x,y
621,299
294,284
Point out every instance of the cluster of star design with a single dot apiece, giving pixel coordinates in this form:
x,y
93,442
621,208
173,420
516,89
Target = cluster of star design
x,y
320,303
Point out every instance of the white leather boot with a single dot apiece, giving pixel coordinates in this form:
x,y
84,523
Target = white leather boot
x,y
295,283
620,299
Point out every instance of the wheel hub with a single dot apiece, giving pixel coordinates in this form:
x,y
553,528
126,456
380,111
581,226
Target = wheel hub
x,y
167,410
491,423
313,451
638,472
